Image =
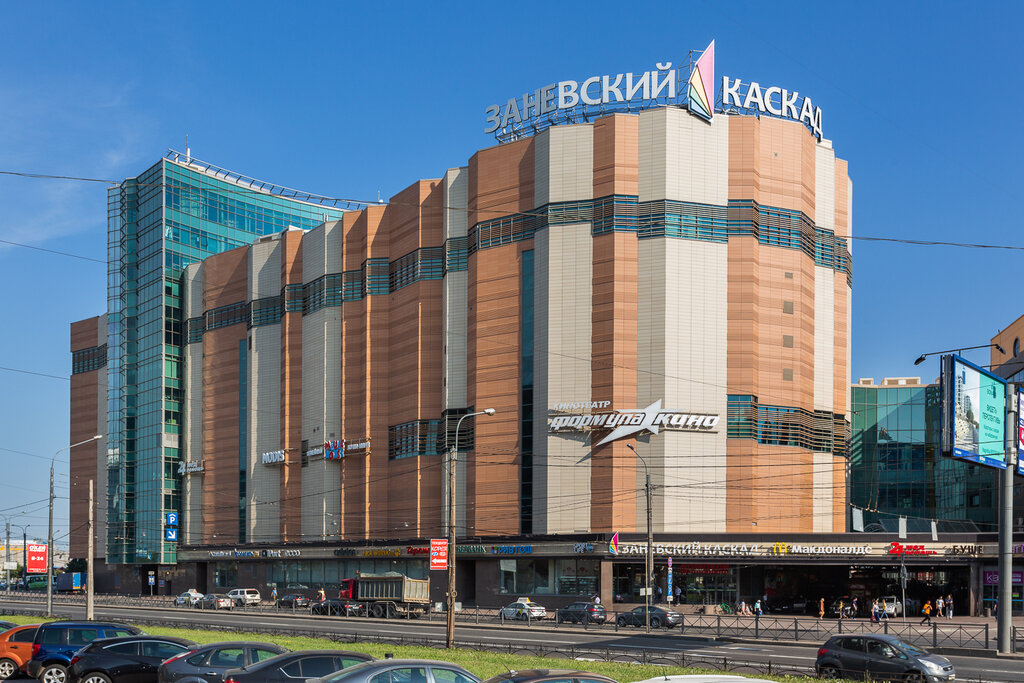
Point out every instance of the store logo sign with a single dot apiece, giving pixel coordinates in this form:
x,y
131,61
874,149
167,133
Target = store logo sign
x,y
702,84
273,458
190,467
623,423
613,545
907,549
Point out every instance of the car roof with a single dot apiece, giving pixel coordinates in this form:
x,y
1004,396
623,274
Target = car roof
x,y
99,624
285,656
543,673
141,637
242,643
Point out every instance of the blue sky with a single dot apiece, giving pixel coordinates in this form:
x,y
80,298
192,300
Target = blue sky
x,y
354,99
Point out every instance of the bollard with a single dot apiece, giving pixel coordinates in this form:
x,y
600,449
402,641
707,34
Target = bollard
x,y
935,635
1013,644
718,627
757,626
796,631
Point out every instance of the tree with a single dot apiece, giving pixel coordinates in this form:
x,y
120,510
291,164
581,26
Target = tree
x,y
78,564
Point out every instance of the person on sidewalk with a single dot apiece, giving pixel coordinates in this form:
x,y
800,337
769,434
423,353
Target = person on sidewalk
x,y
821,608
940,606
883,613
853,608
927,612
874,611
949,606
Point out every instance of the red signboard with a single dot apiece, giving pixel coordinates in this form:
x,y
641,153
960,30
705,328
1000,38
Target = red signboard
x,y
36,562
438,553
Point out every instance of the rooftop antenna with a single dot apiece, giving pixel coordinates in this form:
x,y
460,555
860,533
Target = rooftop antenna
x,y
188,151
379,200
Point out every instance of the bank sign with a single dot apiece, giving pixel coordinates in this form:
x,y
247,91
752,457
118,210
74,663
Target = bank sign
x,y
690,85
570,417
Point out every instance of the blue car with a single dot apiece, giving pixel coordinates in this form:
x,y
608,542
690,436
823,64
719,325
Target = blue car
x,y
57,641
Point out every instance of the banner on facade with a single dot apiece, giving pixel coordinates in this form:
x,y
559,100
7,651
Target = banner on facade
x,y
438,553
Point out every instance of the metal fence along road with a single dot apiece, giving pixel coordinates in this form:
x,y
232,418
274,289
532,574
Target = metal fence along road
x,y
938,634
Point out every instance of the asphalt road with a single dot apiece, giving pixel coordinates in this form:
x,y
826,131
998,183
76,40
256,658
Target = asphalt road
x,y
623,645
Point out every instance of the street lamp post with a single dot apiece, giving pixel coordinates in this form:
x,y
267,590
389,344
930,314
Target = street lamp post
x,y
452,451
49,535
649,556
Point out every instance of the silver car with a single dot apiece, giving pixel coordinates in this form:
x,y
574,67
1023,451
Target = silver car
x,y
215,601
524,609
401,671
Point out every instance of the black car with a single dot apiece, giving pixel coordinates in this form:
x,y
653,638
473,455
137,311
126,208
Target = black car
x,y
582,612
293,600
880,657
336,607
659,617
131,659
209,663
297,665
788,605
552,675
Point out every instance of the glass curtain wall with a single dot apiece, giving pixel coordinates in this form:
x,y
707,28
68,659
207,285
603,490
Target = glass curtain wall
x,y
172,215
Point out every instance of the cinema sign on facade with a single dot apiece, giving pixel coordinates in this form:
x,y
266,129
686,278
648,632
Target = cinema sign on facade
x,y
570,417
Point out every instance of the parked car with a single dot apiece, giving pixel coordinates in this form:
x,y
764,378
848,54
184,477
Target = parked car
x,y
659,617
581,612
245,596
4,625
880,657
400,671
293,600
788,605
337,607
847,607
209,663
189,598
215,601
54,644
134,659
893,606
16,648
304,664
523,609
553,675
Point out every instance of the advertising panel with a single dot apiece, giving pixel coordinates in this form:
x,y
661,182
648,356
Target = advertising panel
x,y
1020,430
975,413
438,553
35,563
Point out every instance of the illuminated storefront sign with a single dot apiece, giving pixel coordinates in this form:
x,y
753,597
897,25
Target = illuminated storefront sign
x,y
382,552
623,423
511,549
190,467
273,458
907,549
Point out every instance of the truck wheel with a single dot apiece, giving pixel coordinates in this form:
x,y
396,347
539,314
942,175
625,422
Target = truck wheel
x,y
7,668
392,612
377,611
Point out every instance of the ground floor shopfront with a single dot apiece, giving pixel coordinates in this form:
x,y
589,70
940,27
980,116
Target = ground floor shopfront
x,y
793,573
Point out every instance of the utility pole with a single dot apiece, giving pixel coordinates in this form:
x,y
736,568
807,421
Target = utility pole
x,y
1004,623
90,611
649,555
7,558
49,535
450,636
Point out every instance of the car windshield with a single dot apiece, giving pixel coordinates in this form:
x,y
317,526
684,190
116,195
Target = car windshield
x,y
345,673
911,649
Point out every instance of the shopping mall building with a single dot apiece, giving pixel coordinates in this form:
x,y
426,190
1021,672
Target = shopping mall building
x,y
280,376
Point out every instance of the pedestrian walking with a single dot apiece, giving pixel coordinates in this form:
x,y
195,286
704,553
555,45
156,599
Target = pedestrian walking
x,y
949,606
757,608
940,606
842,609
320,595
743,607
927,612
874,611
679,594
853,607
273,594
821,608
884,611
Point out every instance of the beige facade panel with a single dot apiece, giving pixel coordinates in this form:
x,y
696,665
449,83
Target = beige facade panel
x,y
682,157
564,163
824,186
825,338
563,278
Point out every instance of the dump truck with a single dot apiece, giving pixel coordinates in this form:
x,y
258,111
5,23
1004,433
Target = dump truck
x,y
387,596
70,582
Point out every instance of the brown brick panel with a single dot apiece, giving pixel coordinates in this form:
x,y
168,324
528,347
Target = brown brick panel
x,y
415,218
769,485
377,317
616,155
841,373
82,459
492,487
501,181
85,334
743,330
291,395
614,374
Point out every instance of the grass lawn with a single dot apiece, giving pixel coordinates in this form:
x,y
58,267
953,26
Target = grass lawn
x,y
483,664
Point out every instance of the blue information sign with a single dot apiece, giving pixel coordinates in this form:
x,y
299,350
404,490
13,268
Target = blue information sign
x,y
171,535
172,518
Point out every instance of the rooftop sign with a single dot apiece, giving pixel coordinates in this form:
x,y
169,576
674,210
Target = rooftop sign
x,y
690,85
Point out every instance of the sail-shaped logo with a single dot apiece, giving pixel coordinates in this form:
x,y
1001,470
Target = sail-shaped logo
x,y
702,84
613,545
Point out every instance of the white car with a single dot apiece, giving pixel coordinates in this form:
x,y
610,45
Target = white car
x,y
189,598
893,606
245,596
523,609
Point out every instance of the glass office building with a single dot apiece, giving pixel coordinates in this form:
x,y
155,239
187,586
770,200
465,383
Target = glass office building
x,y
178,212
896,467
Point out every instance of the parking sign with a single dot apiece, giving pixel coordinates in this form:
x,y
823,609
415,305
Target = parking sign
x,y
172,518
171,535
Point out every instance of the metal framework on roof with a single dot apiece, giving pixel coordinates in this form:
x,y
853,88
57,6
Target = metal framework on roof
x,y
262,186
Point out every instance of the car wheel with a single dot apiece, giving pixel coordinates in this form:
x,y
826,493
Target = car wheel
x,y
621,621
55,673
914,677
655,622
95,677
829,671
7,668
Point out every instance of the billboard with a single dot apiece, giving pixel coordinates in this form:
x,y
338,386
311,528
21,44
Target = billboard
x,y
438,553
974,412
36,560
1020,430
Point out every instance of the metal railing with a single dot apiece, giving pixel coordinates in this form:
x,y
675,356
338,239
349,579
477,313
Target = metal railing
x,y
939,633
